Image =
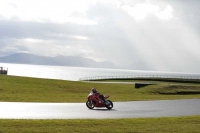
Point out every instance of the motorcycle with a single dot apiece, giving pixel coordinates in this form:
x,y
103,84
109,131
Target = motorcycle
x,y
96,101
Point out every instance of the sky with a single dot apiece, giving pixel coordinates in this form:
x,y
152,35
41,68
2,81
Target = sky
x,y
154,35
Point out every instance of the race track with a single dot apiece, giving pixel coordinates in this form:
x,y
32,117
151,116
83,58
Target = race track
x,y
135,109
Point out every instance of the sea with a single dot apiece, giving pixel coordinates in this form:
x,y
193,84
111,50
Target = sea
x,y
85,73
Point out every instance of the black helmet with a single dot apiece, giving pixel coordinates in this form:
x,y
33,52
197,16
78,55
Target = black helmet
x,y
94,90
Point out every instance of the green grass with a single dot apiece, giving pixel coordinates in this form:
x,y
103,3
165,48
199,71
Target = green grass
x,y
23,89
135,125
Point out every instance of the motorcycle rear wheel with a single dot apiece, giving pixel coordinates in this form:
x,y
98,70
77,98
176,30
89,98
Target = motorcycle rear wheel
x,y
90,105
110,106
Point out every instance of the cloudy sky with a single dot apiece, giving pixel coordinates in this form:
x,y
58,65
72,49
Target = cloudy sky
x,y
157,35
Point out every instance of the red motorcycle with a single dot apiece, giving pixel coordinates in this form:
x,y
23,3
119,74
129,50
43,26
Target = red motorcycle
x,y
95,100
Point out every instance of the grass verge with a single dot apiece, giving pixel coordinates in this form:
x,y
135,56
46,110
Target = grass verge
x,y
136,125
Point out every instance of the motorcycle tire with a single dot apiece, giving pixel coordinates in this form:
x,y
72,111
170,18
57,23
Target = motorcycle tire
x,y
110,106
90,105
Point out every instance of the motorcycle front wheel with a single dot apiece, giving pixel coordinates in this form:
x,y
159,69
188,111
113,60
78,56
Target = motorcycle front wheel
x,y
110,105
90,104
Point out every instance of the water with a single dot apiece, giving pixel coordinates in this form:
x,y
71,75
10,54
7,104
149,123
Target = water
x,y
76,73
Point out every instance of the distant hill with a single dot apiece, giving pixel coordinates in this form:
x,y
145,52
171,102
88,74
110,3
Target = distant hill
x,y
24,58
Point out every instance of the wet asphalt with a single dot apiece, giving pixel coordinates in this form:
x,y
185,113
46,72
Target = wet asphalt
x,y
133,109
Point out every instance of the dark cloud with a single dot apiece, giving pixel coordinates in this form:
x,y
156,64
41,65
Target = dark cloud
x,y
26,29
190,12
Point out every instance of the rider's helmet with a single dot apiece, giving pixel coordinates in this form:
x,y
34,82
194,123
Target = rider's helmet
x,y
94,90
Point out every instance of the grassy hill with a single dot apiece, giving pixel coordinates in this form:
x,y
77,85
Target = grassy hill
x,y
24,89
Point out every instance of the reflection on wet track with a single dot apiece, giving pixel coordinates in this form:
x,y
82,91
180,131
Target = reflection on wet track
x,y
135,109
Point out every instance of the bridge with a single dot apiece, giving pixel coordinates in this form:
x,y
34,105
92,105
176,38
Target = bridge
x,y
181,78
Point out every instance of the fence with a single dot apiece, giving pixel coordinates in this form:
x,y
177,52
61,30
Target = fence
x,y
188,77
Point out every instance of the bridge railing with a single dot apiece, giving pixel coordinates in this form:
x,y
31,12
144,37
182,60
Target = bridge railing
x,y
196,77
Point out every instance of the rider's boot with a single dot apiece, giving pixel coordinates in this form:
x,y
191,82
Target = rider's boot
x,y
106,102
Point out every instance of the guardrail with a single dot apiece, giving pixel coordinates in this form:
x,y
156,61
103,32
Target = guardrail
x,y
196,77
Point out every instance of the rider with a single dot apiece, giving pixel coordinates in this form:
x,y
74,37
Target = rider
x,y
95,92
